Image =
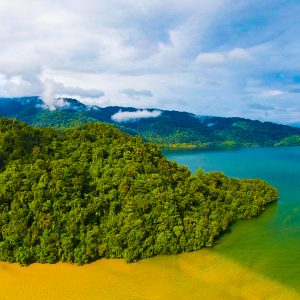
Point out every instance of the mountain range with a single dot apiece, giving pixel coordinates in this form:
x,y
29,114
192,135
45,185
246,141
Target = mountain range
x,y
169,128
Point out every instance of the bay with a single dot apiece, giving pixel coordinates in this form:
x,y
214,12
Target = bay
x,y
269,244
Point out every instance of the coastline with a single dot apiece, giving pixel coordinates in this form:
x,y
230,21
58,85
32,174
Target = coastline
x,y
184,146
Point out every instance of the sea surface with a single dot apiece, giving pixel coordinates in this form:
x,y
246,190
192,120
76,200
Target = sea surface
x,y
269,244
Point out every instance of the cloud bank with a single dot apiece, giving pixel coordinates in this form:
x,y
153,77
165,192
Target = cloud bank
x,y
130,116
212,57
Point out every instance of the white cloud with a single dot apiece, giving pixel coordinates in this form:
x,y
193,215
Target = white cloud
x,y
48,96
190,55
221,58
53,91
211,59
270,93
129,116
18,86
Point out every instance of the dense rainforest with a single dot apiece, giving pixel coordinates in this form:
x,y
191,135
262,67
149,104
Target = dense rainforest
x,y
80,194
170,128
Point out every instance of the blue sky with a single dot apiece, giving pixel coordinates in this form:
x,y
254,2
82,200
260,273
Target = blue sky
x,y
226,58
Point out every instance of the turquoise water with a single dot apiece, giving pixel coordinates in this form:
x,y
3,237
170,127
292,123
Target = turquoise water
x,y
269,244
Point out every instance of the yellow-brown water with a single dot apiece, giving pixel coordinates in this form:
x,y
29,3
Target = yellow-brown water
x,y
199,275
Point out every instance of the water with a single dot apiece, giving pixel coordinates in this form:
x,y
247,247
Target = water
x,y
269,244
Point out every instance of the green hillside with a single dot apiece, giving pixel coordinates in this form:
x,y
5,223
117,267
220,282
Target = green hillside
x,y
80,194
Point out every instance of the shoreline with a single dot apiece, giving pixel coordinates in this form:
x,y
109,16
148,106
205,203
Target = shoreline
x,y
207,149
203,274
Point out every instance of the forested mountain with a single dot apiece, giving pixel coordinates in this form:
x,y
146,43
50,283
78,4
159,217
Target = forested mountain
x,y
80,194
171,128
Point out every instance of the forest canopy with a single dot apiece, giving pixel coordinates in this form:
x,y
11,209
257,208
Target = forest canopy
x,y
80,194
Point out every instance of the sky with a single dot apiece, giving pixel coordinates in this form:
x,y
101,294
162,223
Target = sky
x,y
210,57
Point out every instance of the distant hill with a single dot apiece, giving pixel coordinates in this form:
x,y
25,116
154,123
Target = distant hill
x,y
171,128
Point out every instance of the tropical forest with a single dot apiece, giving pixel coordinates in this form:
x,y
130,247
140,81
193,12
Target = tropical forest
x,y
80,194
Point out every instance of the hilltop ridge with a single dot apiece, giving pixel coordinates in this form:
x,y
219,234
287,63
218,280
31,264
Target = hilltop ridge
x,y
169,128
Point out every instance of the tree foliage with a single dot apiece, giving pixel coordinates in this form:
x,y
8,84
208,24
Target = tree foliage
x,y
80,194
